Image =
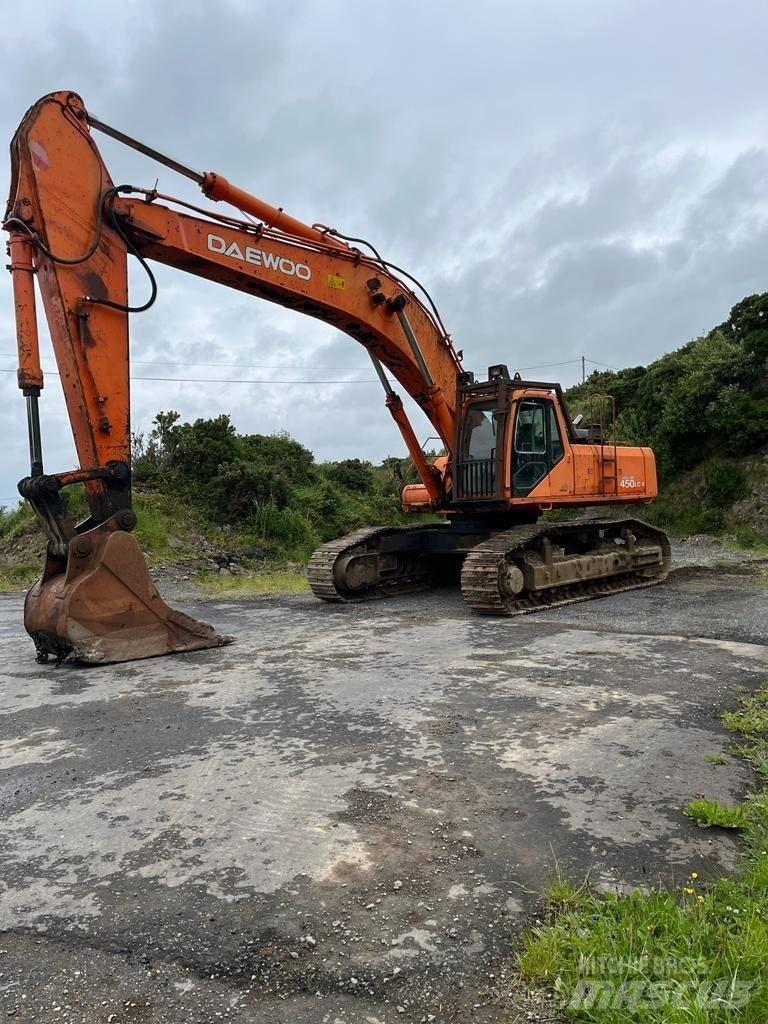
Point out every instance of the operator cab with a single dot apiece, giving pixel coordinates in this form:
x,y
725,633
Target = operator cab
x,y
537,445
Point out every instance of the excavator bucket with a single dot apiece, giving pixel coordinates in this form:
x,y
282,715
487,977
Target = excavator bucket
x,y
99,605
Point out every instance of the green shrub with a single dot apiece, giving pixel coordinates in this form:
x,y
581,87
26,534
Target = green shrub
x,y
725,483
284,456
15,521
749,323
240,486
352,474
286,530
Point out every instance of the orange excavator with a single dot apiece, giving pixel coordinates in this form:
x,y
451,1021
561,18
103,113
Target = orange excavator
x,y
513,451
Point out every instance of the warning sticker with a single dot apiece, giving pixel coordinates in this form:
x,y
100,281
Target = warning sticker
x,y
39,155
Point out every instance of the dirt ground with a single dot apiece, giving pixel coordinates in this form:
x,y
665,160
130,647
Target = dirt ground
x,y
347,814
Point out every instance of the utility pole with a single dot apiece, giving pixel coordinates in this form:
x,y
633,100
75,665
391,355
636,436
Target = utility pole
x,y
583,370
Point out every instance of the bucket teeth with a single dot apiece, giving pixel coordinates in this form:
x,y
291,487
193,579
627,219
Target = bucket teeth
x,y
101,606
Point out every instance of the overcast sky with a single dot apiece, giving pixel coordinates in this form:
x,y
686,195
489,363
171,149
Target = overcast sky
x,y
566,177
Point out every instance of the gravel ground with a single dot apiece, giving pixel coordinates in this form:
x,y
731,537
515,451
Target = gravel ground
x,y
347,814
713,552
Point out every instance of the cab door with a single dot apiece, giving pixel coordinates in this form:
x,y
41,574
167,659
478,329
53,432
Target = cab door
x,y
538,448
480,452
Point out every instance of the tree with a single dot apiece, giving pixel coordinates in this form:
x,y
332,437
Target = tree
x,y
748,323
352,474
200,449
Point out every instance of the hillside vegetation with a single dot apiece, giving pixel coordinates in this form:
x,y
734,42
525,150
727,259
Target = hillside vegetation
x,y
265,490
206,494
704,411
225,503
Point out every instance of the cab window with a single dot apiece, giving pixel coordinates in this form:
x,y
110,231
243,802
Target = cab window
x,y
557,451
480,432
538,444
530,435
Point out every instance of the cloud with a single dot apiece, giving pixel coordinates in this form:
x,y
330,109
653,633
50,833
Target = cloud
x,y
564,178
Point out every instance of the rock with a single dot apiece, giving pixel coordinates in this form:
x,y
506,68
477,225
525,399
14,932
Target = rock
x,y
703,540
397,884
249,552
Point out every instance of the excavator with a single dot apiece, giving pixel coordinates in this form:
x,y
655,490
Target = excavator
x,y
512,451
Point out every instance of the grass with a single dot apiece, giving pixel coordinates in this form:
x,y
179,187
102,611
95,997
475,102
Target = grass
x,y
695,955
748,538
154,527
709,813
717,759
751,719
561,893
159,533
253,585
15,525
14,520
166,534
19,577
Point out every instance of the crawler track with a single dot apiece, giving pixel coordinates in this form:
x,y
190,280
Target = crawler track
x,y
322,569
482,571
480,576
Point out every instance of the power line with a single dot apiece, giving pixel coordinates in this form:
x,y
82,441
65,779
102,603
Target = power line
x,y
606,365
541,366
240,380
567,362
239,366
220,380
